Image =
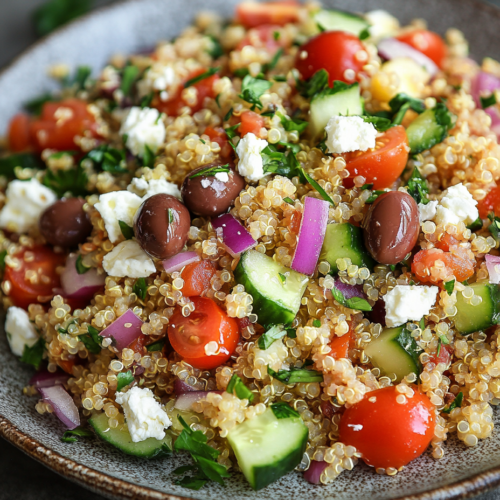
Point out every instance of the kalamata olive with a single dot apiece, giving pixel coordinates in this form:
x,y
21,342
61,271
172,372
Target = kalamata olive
x,y
65,223
209,192
162,225
391,227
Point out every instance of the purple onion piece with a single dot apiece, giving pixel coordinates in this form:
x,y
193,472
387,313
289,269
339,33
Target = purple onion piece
x,y
177,262
491,262
235,236
180,387
124,330
390,48
80,286
313,474
63,405
47,379
350,291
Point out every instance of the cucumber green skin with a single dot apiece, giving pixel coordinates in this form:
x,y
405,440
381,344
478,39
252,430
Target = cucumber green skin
x,y
339,20
469,318
345,241
424,132
396,349
150,448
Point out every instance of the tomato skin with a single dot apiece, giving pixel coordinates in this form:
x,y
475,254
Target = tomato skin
x,y
490,203
427,42
295,221
382,165
263,36
22,292
251,123
219,135
252,14
197,276
67,365
138,344
444,355
461,267
208,323
331,50
19,133
389,434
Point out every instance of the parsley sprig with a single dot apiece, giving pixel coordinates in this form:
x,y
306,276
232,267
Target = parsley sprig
x,y
211,171
494,227
296,375
127,231
207,74
239,389
108,159
456,403
91,340
140,288
356,303
34,355
417,187
124,379
252,89
283,410
72,436
267,339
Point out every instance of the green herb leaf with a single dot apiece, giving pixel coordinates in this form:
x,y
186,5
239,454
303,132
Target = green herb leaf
x,y
291,333
72,181
201,77
418,188
237,387
494,227
290,124
140,288
80,267
281,162
374,196
364,187
91,340
35,106
356,303
241,72
127,231
108,159
72,436
316,323
194,442
316,186
456,403
476,225
53,14
449,286
276,35
316,84
215,49
267,339
288,200
279,78
156,346
228,115
283,410
296,375
129,76
252,89
486,102
274,61
3,254
231,132
282,278
211,171
34,355
401,103
149,157
380,123
124,379
171,216
9,163
147,100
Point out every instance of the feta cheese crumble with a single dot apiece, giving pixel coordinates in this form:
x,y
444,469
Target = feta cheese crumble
x,y
143,127
222,176
26,201
457,205
408,303
128,260
349,133
250,164
157,186
427,212
145,416
117,206
20,330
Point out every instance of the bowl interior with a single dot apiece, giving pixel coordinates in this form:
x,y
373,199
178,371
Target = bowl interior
x,y
129,27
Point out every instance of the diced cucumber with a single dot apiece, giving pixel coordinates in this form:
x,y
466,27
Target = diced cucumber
x,y
267,448
339,20
429,129
395,351
120,438
342,99
469,318
345,241
276,290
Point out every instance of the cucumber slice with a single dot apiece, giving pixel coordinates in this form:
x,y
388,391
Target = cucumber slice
x,y
429,129
276,290
345,241
395,351
267,448
120,438
343,99
469,318
339,20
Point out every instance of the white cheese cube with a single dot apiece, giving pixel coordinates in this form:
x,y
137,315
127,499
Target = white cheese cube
x,y
250,164
128,260
349,133
143,127
20,330
427,212
457,205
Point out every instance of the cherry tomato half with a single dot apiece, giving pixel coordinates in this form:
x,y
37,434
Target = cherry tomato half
x,y
19,133
387,433
335,51
251,123
490,203
207,324
219,135
33,282
340,346
252,14
383,164
427,42
197,276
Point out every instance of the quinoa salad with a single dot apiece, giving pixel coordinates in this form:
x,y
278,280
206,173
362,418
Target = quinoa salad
x,y
269,245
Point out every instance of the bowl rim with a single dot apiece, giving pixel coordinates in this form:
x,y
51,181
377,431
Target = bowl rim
x,y
113,487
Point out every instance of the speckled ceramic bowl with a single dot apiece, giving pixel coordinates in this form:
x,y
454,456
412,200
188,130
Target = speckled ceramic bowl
x,y
128,27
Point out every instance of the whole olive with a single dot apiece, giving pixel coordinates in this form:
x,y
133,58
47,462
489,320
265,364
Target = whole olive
x,y
391,227
65,223
209,190
161,226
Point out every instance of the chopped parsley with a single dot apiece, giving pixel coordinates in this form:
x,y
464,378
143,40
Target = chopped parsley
x,y
129,76
62,182
276,35
149,157
252,89
127,231
228,114
316,186
289,124
72,436
124,379
9,163
296,375
211,171
283,410
274,61
486,102
288,200
171,216
476,225
494,227
291,333
401,103
35,106
456,403
147,100
3,254
140,288
199,78
267,339
379,122
374,196
364,187
91,340
316,323
80,267
156,346
34,355
316,84
215,49
417,187
239,389
449,286
282,278
108,159
356,303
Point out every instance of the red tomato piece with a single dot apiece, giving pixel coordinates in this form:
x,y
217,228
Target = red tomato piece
x,y
252,14
334,51
19,133
243,323
197,276
461,267
33,282
427,42
490,203
387,433
444,355
263,36
208,323
340,346
138,344
219,135
447,242
295,220
383,164
251,123
67,365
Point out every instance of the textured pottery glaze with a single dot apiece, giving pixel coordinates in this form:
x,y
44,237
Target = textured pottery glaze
x,y
132,26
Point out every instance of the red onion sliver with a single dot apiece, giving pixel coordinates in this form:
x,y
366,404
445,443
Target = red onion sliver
x,y
185,401
80,286
177,262
124,330
63,405
492,262
235,237
180,387
311,235
350,291
47,379
390,48
313,474
483,85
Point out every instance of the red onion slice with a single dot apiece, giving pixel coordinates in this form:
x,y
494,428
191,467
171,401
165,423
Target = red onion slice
x,y
313,474
124,330
80,286
311,235
177,262
483,85
185,401
63,405
235,236
350,291
180,387
47,379
390,48
492,263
